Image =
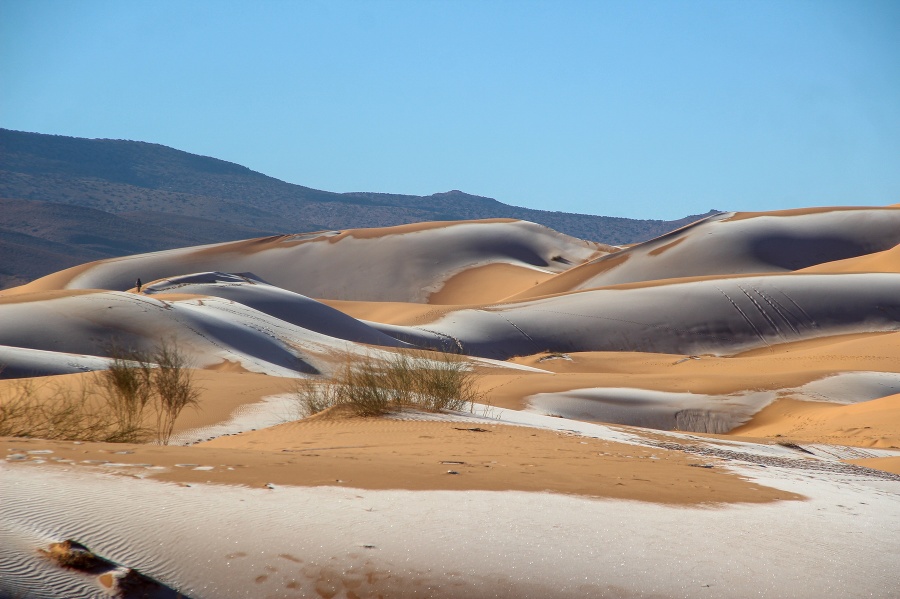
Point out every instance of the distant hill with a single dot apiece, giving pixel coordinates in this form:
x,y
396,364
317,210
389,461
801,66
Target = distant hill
x,y
37,238
122,196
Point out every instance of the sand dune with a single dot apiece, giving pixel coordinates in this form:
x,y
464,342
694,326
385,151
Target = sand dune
x,y
735,383
716,317
277,302
885,261
409,263
209,330
221,318
821,422
21,362
733,243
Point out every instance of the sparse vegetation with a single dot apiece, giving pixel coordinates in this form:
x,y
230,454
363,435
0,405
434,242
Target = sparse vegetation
x,y
114,405
173,388
52,411
127,389
70,554
372,386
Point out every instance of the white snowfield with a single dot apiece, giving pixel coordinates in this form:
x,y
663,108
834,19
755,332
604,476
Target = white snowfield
x,y
268,329
735,243
718,317
702,413
234,542
404,264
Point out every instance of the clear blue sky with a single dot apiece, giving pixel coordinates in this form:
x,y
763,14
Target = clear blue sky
x,y
645,109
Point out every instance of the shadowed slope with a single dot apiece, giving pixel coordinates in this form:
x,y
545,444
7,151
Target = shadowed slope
x,y
282,304
209,330
727,244
708,316
406,263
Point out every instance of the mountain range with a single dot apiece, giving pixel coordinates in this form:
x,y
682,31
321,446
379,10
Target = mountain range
x,y
65,201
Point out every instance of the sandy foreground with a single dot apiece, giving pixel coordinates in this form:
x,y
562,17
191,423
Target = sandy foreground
x,y
714,413
461,506
418,455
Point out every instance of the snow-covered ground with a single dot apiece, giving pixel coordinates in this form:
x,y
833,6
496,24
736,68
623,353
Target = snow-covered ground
x,y
221,542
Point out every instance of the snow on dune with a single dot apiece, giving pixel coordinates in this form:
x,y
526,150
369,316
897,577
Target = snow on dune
x,y
703,413
209,330
731,243
279,303
21,362
709,316
230,541
404,263
661,410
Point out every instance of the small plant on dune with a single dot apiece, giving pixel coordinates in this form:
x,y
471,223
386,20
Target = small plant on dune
x,y
114,405
444,382
53,412
312,397
372,386
70,554
173,387
127,389
16,403
160,380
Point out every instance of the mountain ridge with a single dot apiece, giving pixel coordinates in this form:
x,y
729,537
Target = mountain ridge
x,y
217,200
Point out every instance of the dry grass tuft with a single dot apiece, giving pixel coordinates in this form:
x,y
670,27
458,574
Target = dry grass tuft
x,y
115,405
70,554
372,386
29,409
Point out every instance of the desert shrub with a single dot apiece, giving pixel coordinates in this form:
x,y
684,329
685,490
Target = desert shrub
x,y
53,412
443,382
173,388
374,386
112,406
70,554
127,388
312,397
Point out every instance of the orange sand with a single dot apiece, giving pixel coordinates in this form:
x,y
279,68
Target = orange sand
x,y
886,261
390,454
873,423
486,284
886,464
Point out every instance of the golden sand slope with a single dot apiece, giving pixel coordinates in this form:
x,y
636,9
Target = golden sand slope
x,y
778,367
489,283
886,464
415,455
874,423
884,261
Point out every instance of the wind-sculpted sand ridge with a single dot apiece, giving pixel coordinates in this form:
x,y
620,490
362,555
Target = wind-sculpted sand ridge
x,y
731,384
717,317
208,329
406,263
731,243
284,305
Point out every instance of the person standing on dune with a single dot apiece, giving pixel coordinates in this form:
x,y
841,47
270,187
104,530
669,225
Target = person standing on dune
x,y
138,284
